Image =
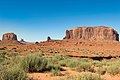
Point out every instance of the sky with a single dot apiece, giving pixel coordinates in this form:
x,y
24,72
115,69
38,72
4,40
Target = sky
x,y
34,20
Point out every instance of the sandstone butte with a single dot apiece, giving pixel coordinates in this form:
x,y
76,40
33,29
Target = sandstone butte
x,y
9,37
98,33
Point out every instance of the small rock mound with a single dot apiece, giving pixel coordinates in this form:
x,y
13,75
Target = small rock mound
x,y
92,33
22,40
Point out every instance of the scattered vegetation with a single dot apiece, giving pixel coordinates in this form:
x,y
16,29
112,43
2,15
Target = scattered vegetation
x,y
2,57
15,67
55,72
113,69
88,77
101,70
13,73
85,67
10,70
2,48
92,52
34,63
83,77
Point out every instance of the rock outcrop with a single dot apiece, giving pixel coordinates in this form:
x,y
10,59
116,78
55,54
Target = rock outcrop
x,y
92,33
22,40
48,38
9,37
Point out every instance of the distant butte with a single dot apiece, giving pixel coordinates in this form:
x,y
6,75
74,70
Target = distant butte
x,y
79,42
99,33
9,37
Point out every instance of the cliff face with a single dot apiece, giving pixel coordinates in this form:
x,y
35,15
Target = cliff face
x,y
92,33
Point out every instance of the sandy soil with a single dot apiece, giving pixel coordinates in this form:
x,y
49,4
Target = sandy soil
x,y
68,71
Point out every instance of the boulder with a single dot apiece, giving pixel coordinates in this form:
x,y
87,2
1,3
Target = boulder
x,y
92,33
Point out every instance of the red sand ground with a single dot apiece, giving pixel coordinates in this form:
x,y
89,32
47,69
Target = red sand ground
x,y
68,47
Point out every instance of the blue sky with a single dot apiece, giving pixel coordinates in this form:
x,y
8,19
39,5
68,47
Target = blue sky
x,y
34,20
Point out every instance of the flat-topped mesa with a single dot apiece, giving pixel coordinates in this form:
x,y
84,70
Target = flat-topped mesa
x,y
92,33
9,37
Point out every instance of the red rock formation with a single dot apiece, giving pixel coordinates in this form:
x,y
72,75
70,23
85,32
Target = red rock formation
x,y
9,37
92,33
48,38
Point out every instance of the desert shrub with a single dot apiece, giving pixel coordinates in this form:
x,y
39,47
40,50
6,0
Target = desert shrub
x,y
2,48
72,63
66,57
62,62
10,70
89,77
2,57
52,60
10,62
66,60
101,70
83,67
55,72
53,63
58,57
115,62
51,66
113,69
33,63
82,60
12,73
10,54
99,63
